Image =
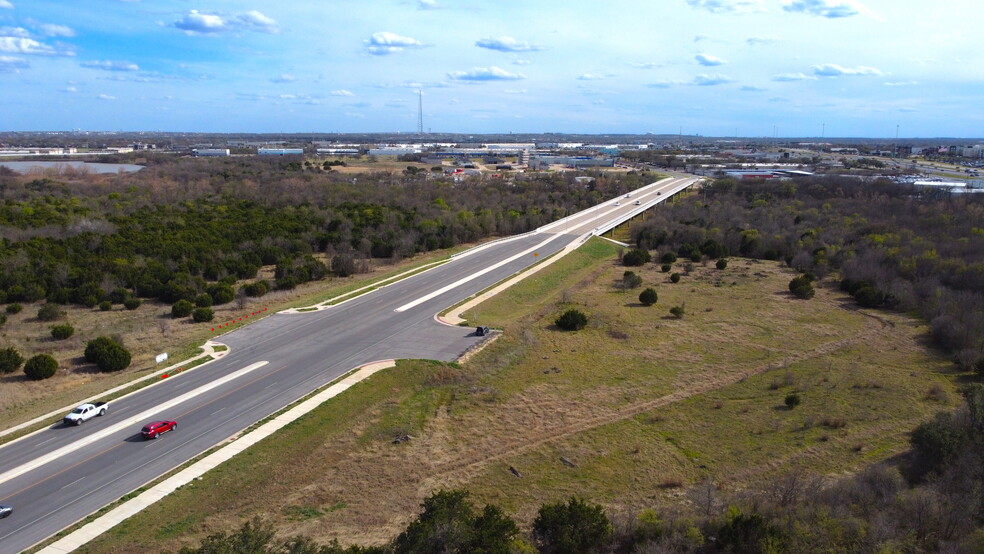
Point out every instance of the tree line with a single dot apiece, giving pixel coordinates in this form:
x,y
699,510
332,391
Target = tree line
x,y
180,225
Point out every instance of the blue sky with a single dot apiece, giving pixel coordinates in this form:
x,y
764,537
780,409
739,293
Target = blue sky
x,y
750,68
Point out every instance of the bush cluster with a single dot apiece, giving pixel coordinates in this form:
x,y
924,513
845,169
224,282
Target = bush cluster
x,y
572,320
107,353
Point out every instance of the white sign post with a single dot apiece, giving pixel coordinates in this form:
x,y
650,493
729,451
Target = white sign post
x,y
161,357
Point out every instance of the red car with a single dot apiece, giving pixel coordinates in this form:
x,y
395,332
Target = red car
x,y
154,429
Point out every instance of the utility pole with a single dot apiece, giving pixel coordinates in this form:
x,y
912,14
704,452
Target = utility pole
x,y
420,113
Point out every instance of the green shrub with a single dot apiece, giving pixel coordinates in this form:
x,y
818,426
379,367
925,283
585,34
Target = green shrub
x,y
572,320
62,332
802,287
203,300
10,360
182,308
792,400
201,315
41,366
668,258
95,347
630,280
722,263
105,306
636,257
49,312
221,293
3,319
665,268
678,312
648,297
107,354
259,288
675,278
131,303
14,308
114,358
572,527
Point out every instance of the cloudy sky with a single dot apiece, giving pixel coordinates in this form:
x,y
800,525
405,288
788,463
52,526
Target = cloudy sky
x,y
751,68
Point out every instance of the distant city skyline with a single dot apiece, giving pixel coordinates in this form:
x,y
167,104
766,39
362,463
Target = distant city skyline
x,y
745,68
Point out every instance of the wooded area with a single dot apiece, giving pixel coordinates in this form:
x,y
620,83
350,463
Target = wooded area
x,y
893,246
169,230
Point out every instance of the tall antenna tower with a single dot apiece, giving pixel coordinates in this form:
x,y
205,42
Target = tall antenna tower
x,y
420,112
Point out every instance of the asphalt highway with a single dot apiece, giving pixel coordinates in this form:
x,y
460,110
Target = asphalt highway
x,y
60,475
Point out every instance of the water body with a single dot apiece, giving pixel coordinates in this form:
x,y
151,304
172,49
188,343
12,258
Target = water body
x,y
26,168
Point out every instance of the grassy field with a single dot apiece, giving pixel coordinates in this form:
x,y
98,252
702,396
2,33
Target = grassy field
x,y
641,406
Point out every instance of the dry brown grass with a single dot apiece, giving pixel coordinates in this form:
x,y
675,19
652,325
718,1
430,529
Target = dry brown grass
x,y
674,404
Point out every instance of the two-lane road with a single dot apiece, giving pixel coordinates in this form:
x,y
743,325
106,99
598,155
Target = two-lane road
x,y
57,476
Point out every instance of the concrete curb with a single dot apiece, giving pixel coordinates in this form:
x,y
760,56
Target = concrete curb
x,y
454,316
234,446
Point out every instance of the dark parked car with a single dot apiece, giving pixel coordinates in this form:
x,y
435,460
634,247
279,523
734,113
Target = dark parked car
x,y
154,429
481,330
5,511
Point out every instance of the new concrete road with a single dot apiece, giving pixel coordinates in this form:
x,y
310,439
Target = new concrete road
x,y
59,475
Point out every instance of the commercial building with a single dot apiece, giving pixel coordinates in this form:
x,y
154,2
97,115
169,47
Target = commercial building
x,y
280,151
210,152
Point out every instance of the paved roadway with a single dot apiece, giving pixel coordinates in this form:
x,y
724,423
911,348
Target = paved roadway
x,y
58,476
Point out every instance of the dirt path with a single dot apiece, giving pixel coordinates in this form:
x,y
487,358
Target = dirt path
x,y
463,469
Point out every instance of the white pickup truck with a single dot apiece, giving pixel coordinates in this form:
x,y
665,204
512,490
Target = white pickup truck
x,y
86,412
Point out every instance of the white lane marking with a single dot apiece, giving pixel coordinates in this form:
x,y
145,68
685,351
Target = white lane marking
x,y
132,420
460,282
73,482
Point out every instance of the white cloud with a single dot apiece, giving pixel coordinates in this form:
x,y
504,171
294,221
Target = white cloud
x,y
14,32
729,6
699,38
663,84
71,89
428,5
283,78
760,41
515,91
646,65
256,21
826,8
507,44
485,74
589,77
199,23
709,60
106,97
52,30
703,80
752,88
10,64
21,45
111,65
901,83
385,42
6,4
521,61
341,92
788,77
834,70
